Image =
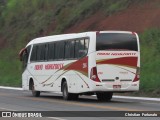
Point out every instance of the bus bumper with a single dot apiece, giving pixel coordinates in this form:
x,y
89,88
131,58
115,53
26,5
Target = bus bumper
x,y
106,87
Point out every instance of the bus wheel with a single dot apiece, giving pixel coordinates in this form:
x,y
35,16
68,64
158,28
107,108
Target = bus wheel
x,y
34,92
66,94
104,96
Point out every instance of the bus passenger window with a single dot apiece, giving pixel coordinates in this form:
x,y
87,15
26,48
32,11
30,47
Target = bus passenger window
x,y
34,52
59,50
77,49
86,45
38,52
51,51
81,48
69,49
42,52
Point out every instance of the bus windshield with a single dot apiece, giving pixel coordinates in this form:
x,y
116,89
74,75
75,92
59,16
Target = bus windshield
x,y
116,41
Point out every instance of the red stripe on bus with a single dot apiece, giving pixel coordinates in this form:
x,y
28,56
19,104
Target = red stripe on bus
x,y
130,61
79,65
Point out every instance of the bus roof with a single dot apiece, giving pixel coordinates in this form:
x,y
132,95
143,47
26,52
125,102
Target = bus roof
x,y
69,36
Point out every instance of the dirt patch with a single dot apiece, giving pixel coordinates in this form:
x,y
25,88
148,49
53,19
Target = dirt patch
x,y
90,23
137,17
50,28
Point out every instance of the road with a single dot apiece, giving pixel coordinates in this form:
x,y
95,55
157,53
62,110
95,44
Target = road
x,y
17,100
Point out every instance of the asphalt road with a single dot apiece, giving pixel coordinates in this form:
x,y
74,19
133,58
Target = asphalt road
x,y
17,100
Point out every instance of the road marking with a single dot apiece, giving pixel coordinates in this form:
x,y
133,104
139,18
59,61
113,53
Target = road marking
x,y
115,96
11,88
138,98
56,118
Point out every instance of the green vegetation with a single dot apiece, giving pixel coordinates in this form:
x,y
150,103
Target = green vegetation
x,y
150,61
21,21
113,7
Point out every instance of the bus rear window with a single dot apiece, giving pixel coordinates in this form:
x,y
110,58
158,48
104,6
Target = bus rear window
x,y
116,41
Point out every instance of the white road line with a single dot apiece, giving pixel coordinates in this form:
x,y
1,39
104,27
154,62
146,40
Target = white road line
x,y
115,96
56,118
138,98
11,88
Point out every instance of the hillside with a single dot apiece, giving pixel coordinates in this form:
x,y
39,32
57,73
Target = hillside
x,y
21,21
138,17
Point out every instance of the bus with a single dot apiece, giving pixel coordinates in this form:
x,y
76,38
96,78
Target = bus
x,y
90,63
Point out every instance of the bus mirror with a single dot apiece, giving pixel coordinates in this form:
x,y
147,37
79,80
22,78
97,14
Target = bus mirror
x,y
21,53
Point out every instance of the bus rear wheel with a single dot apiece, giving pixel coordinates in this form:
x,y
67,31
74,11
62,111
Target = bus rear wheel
x,y
34,92
104,96
66,94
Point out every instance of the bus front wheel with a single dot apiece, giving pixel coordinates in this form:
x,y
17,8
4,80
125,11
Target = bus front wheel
x,y
34,92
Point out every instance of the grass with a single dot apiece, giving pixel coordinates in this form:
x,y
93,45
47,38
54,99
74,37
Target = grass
x,y
150,49
118,5
10,72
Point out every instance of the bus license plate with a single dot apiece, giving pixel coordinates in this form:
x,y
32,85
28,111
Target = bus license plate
x,y
116,87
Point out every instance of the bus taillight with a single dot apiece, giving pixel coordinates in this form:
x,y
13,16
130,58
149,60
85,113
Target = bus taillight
x,y
93,75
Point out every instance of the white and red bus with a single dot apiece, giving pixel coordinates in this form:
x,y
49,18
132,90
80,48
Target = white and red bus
x,y
100,63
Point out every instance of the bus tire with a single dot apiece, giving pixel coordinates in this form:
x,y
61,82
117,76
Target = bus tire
x,y
34,92
104,96
66,94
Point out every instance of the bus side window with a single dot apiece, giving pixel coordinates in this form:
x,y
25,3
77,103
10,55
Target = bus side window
x,y
38,52
69,49
86,45
51,51
25,57
77,49
81,48
42,50
82,51
72,52
33,54
59,50
67,53
46,52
